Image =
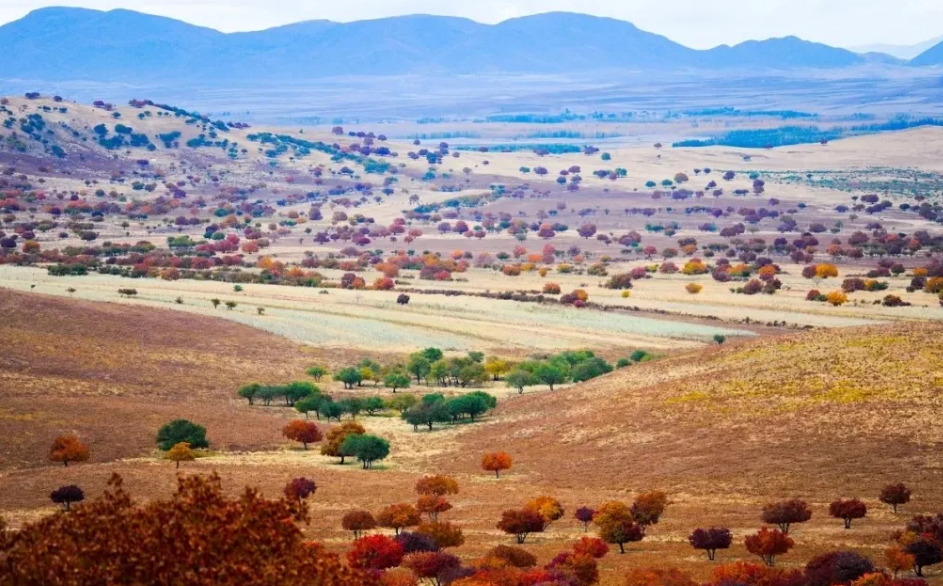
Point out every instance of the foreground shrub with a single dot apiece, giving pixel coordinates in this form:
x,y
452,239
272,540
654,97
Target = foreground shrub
x,y
113,540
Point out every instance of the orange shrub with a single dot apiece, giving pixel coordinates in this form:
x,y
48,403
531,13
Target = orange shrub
x,y
693,288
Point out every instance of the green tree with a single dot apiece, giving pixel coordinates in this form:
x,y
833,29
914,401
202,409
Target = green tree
x,y
181,430
550,374
373,404
250,392
397,380
418,366
432,354
366,448
311,403
472,374
331,410
427,414
350,376
402,402
317,372
298,390
518,379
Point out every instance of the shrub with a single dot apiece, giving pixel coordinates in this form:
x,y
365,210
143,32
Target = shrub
x,y
693,288
181,430
837,298
619,281
167,541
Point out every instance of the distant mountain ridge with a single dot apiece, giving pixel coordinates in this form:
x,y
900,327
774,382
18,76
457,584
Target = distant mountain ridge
x,y
905,52
65,44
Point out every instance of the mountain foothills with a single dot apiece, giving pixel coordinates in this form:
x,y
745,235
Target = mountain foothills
x,y
83,44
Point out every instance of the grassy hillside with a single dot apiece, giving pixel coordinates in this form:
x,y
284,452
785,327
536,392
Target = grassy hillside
x,y
817,414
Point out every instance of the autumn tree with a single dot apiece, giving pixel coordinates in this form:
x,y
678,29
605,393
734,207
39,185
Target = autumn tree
x,y
438,485
925,551
181,430
616,525
848,510
444,534
431,505
496,367
785,513
836,567
897,560
66,495
585,516
232,541
336,437
496,462
68,448
303,432
300,488
358,521
398,517
648,507
547,507
181,452
895,495
375,552
521,523
710,540
431,565
768,543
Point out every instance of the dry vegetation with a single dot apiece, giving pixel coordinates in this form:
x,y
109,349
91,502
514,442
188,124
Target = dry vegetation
x,y
739,409
722,431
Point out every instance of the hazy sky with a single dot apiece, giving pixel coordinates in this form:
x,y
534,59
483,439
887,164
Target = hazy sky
x,y
696,23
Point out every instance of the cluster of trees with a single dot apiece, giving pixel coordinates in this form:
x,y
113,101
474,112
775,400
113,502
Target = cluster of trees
x,y
575,366
436,408
471,370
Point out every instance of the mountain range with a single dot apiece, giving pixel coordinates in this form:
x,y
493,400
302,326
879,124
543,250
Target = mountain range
x,y
68,44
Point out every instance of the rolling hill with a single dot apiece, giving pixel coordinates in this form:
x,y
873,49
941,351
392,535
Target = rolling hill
x,y
63,44
838,411
932,56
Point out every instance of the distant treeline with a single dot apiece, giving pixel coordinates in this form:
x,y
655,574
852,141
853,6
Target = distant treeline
x,y
552,149
734,112
444,135
791,135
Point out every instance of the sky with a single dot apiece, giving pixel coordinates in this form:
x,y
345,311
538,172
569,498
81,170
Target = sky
x,y
695,23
